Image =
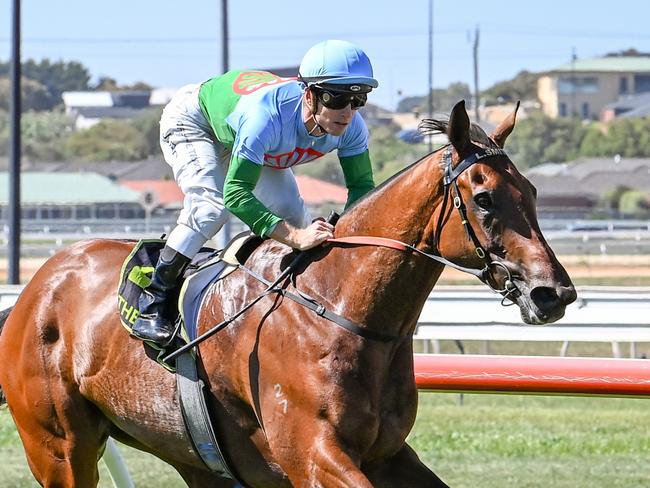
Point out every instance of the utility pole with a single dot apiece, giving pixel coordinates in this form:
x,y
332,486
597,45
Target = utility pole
x,y
223,237
224,35
13,271
476,93
430,100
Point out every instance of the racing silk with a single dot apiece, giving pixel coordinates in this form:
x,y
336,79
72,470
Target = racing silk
x,y
258,116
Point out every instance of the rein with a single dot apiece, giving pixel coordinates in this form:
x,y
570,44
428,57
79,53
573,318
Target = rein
x,y
451,174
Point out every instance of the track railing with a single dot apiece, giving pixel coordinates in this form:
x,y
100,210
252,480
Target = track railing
x,y
533,375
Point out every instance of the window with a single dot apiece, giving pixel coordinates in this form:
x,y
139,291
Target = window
x,y
563,110
641,84
622,85
585,111
577,84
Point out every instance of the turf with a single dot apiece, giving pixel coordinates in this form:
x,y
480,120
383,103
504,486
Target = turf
x,y
487,441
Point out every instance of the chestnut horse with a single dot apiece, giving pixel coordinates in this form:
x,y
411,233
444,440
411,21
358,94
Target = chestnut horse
x,y
296,400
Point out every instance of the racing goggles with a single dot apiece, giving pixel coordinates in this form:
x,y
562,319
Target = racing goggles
x,y
338,99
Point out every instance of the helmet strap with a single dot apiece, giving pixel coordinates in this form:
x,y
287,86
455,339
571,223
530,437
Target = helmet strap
x,y
313,108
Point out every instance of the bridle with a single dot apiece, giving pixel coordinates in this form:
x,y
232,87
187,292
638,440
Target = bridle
x,y
450,183
450,186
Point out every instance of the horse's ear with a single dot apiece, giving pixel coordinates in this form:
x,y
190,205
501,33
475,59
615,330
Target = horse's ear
x,y
502,132
458,128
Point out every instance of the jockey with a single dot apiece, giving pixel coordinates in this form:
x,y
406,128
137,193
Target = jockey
x,y
231,142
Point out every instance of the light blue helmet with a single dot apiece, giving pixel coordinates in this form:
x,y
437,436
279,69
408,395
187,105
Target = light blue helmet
x,y
336,63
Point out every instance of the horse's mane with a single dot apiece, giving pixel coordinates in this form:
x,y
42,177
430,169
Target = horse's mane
x,y
437,126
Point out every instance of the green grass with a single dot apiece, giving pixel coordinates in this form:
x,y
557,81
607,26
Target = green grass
x,y
488,441
526,441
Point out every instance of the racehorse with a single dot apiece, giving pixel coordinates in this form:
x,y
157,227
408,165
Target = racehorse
x,y
296,399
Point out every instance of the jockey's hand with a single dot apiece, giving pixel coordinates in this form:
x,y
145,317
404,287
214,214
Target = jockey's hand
x,y
302,239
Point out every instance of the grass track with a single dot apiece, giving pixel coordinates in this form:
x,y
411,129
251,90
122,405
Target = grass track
x,y
489,441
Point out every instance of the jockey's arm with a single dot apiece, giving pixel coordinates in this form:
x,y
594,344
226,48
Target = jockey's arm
x,y
357,171
238,198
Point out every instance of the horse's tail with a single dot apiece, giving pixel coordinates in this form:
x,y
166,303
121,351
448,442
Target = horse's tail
x,y
4,314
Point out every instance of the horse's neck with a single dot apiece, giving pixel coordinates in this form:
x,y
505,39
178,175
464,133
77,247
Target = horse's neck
x,y
376,285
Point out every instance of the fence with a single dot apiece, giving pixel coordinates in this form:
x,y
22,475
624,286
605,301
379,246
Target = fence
x,y
614,315
537,375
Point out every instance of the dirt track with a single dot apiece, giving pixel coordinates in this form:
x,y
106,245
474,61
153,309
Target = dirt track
x,y
577,266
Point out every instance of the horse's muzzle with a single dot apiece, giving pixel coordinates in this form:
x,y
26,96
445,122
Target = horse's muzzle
x,y
544,304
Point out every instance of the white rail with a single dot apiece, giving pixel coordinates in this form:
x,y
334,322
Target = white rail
x,y
600,314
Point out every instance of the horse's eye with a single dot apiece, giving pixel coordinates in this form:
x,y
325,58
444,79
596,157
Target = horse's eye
x,y
484,200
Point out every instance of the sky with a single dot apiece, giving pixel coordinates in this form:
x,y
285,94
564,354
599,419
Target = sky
x,y
169,44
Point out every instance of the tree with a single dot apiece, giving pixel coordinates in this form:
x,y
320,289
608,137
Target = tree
x,y
634,203
626,137
34,96
540,139
149,125
44,135
443,99
109,140
522,87
56,77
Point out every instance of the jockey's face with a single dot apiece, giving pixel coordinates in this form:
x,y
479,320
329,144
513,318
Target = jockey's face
x,y
334,122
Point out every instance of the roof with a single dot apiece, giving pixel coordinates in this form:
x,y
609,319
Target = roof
x,y
108,112
148,169
40,188
631,64
631,102
166,192
590,176
317,192
312,190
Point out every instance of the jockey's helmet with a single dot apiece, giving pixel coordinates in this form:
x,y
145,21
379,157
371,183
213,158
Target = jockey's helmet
x,y
338,63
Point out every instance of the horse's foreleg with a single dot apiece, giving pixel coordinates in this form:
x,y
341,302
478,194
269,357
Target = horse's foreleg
x,y
330,468
404,469
312,458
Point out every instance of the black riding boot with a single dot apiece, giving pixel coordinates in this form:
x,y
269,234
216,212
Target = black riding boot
x,y
155,323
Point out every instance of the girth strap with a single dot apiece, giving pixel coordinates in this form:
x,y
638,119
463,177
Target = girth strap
x,y
191,396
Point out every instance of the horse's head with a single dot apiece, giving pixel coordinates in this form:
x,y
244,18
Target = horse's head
x,y
501,231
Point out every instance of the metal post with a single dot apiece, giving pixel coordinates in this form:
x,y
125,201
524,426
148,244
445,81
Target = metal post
x,y
13,275
117,469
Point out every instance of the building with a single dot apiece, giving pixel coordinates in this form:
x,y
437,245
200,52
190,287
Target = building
x,y
576,189
584,87
634,106
71,196
89,108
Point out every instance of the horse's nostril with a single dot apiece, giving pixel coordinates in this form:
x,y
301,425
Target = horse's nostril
x,y
545,298
568,294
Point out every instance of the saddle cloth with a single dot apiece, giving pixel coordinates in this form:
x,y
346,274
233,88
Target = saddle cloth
x,y
208,266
